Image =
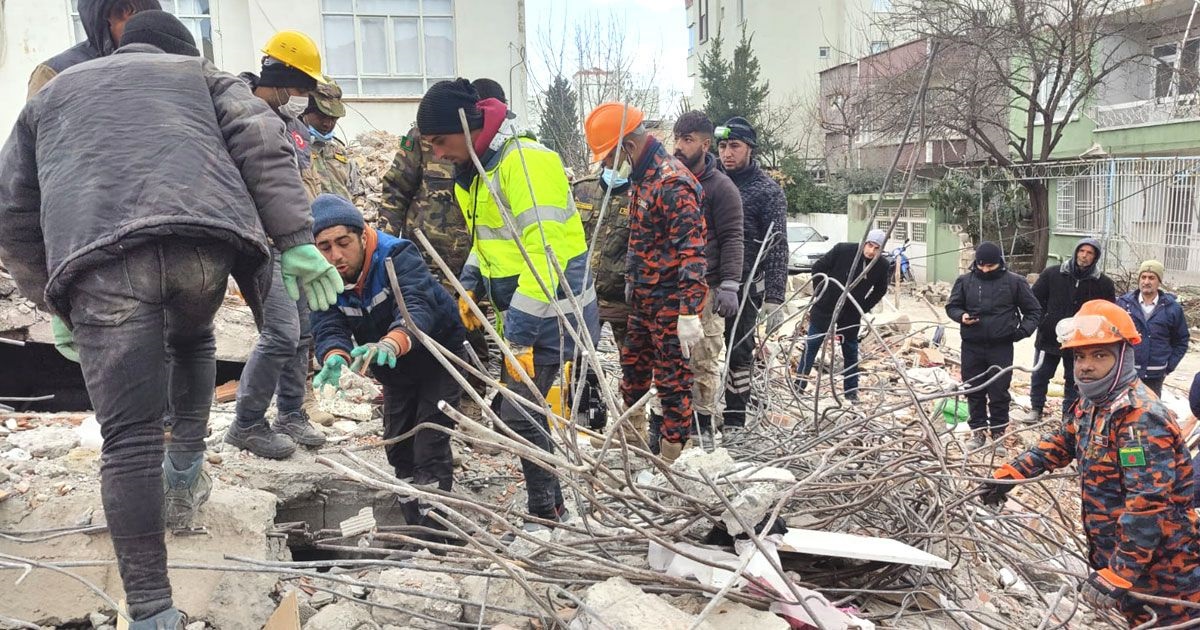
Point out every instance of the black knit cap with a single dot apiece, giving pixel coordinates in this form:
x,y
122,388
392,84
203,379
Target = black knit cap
x,y
989,253
275,73
438,112
741,129
162,30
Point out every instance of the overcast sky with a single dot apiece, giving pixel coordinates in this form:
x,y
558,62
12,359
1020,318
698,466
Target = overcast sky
x,y
657,35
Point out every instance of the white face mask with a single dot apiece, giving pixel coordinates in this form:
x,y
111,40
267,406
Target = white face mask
x,y
294,106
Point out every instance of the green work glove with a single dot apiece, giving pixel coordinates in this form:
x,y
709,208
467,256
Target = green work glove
x,y
305,264
383,354
331,372
64,339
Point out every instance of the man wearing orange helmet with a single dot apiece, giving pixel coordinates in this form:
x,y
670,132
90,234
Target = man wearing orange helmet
x,y
664,272
1135,474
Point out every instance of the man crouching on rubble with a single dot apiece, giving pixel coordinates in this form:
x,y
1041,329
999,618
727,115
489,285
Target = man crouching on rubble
x,y
124,215
1135,474
367,329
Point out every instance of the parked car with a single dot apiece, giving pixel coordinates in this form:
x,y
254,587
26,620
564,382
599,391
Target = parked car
x,y
805,246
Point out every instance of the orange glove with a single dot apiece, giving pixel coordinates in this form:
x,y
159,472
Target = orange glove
x,y
464,312
524,355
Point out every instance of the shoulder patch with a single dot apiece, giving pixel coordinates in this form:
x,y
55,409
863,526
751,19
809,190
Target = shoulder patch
x,y
407,143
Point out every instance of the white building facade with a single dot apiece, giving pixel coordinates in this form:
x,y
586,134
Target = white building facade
x,y
383,53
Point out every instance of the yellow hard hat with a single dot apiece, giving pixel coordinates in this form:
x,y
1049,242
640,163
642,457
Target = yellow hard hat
x,y
296,50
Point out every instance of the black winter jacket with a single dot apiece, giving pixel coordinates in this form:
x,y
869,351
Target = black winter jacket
x,y
1001,300
81,181
844,263
763,206
1061,294
724,224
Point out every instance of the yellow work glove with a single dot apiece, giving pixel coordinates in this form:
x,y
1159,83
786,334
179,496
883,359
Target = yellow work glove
x,y
524,355
464,312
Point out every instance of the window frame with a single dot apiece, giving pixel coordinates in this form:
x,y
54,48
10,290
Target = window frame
x,y
211,16
823,52
355,82
703,21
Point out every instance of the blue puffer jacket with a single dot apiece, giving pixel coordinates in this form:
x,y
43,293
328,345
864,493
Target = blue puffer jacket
x,y
1164,334
369,311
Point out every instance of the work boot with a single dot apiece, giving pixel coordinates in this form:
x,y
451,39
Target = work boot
x,y
655,433
259,439
561,515
315,414
184,491
669,450
1033,417
295,425
169,619
977,441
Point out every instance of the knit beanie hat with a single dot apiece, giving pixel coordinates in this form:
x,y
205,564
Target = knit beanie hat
x,y
162,30
989,253
877,236
331,210
438,112
277,74
741,129
1154,267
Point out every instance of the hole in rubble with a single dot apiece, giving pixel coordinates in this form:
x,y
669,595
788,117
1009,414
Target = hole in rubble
x,y
37,369
315,518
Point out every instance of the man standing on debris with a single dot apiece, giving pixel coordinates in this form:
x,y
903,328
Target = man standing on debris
x,y
107,225
764,263
996,309
1135,474
1162,324
278,365
103,22
368,329
724,250
537,220
664,269
836,270
1062,289
337,173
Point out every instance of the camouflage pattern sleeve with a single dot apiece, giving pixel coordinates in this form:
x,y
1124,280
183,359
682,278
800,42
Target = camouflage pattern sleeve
x,y
1054,451
401,183
357,188
687,235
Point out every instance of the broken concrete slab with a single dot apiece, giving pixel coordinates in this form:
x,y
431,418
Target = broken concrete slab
x,y
729,615
499,592
50,442
416,580
615,604
343,615
842,545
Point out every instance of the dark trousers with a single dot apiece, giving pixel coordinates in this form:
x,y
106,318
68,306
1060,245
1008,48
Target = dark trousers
x,y
411,392
988,406
740,343
1040,381
818,327
144,327
652,354
542,487
1155,385
278,365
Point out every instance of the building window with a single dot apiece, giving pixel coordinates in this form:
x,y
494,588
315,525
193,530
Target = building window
x,y
741,11
703,21
388,47
195,14
879,46
822,52
918,231
1076,208
1165,57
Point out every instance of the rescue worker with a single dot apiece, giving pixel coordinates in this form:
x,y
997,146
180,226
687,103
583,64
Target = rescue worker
x,y
996,309
764,209
278,364
108,227
664,272
724,249
1135,474
337,173
103,22
1062,289
367,329
1160,320
844,263
522,171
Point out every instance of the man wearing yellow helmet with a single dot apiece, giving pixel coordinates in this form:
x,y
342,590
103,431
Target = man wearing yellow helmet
x,y
1135,475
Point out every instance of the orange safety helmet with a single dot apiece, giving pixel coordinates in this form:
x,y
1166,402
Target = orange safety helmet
x,y
603,127
1098,322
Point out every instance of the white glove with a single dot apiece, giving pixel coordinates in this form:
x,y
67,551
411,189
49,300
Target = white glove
x,y
690,333
774,317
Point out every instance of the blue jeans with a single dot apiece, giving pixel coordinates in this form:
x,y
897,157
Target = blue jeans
x,y
818,327
278,365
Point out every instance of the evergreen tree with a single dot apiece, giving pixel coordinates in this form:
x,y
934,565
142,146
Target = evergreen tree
x,y
731,86
560,128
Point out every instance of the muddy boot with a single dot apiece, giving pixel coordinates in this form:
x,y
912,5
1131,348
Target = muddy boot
x,y
296,426
315,414
978,440
260,440
670,450
169,619
655,433
1033,417
184,490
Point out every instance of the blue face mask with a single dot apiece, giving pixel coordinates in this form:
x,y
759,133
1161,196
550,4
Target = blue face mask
x,y
612,179
317,135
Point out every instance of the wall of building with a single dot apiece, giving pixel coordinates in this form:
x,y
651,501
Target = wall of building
x,y
488,35
936,259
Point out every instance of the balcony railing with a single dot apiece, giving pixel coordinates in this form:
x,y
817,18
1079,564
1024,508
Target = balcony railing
x,y
1151,112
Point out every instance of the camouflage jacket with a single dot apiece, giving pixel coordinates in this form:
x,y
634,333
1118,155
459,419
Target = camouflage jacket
x,y
666,228
1136,478
609,242
418,193
336,171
